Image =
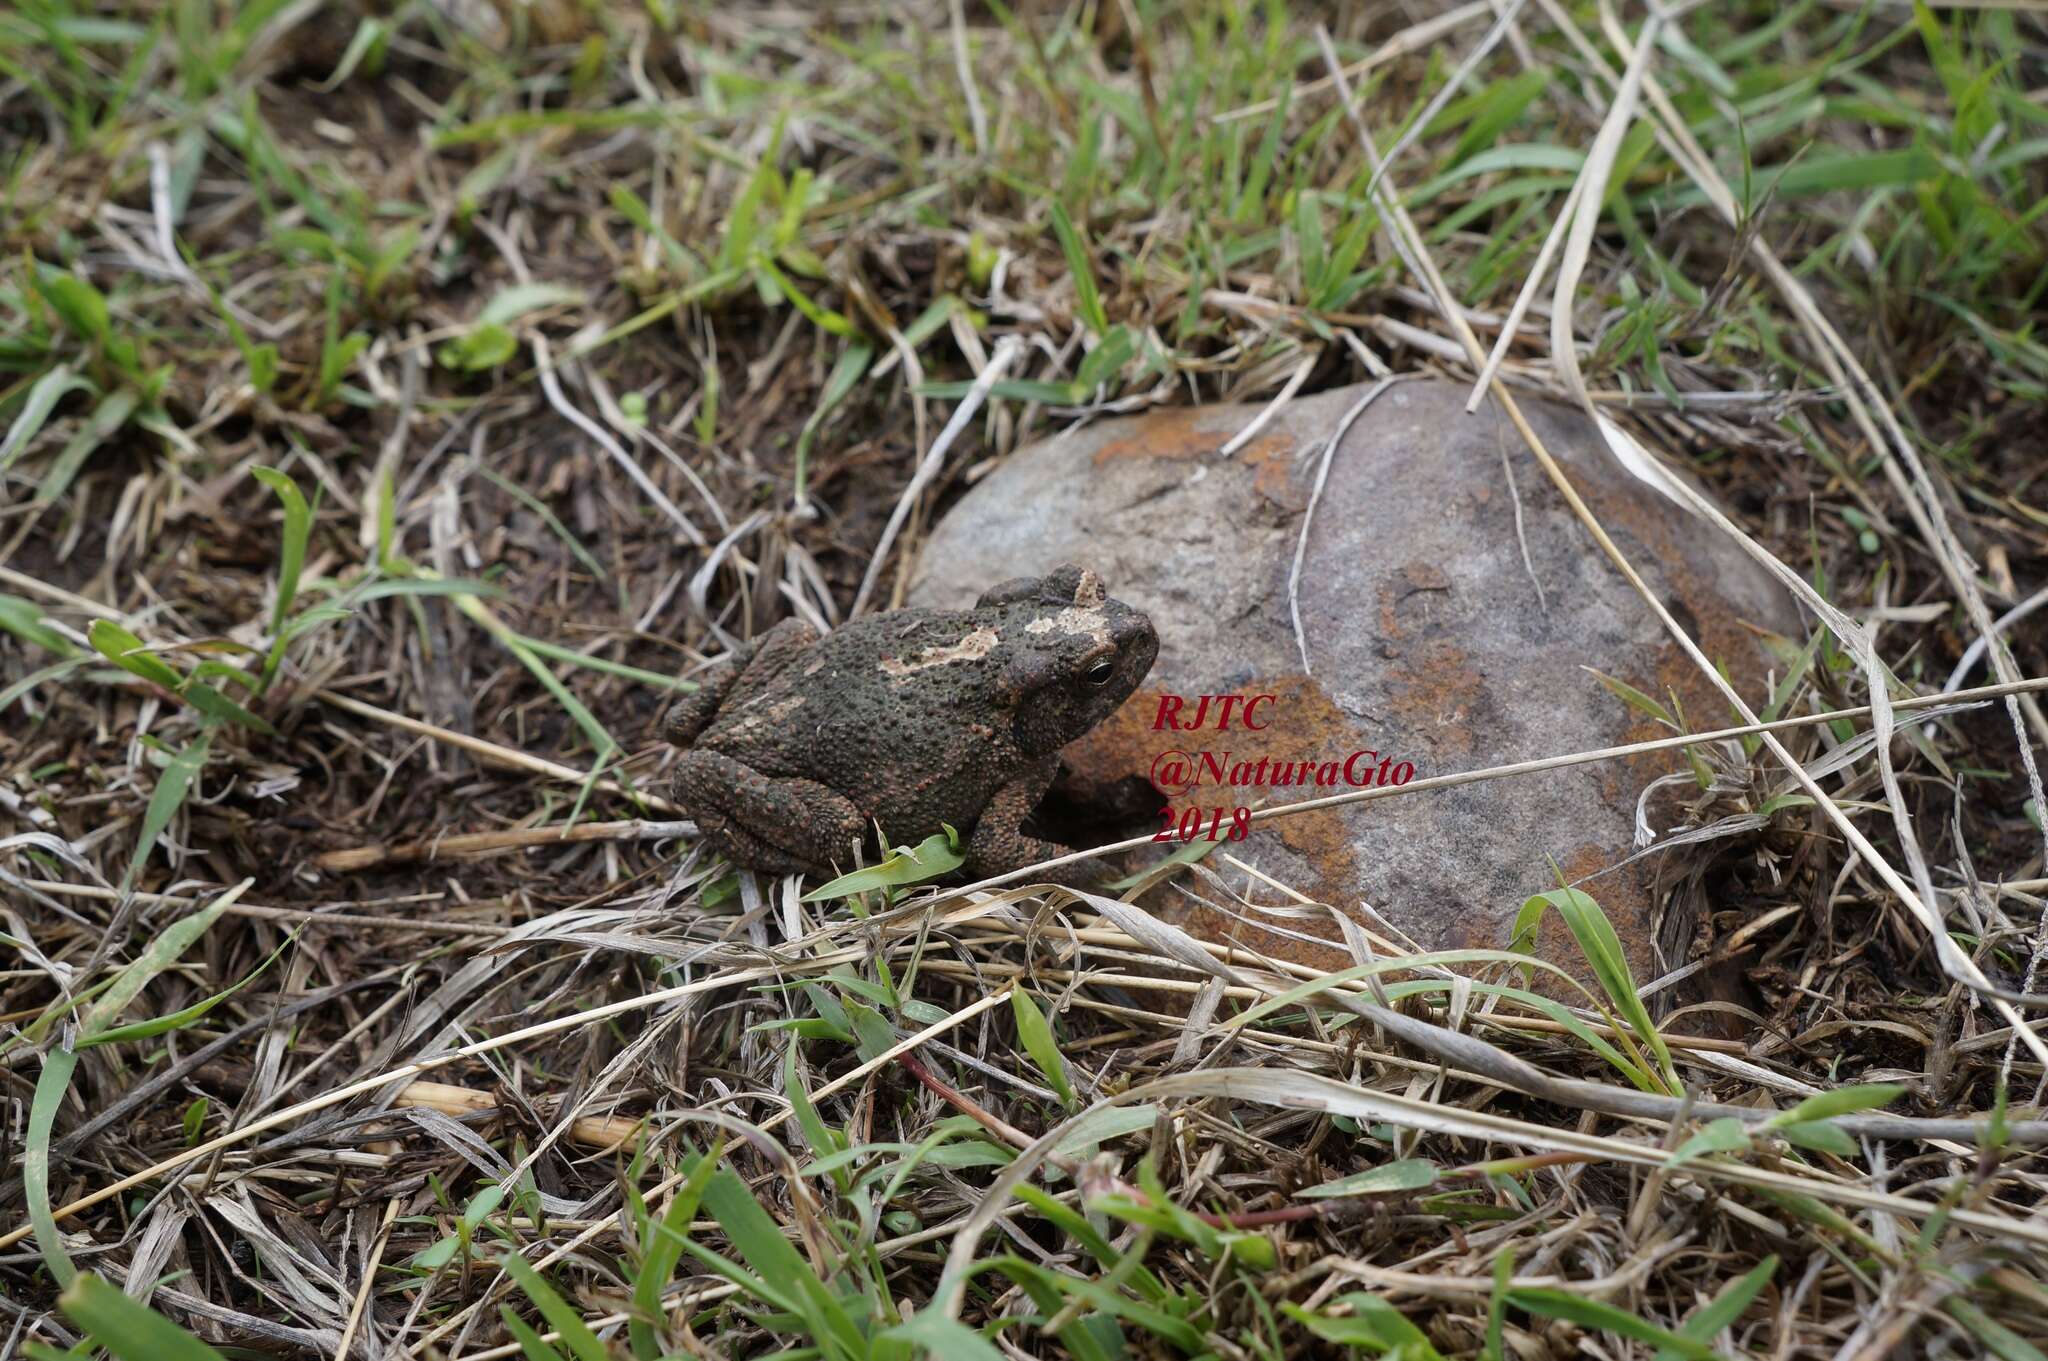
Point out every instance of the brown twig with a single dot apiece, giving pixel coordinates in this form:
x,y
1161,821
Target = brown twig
x,y
484,843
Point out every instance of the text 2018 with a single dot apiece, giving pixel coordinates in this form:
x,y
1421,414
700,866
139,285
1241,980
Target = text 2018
x,y
1205,824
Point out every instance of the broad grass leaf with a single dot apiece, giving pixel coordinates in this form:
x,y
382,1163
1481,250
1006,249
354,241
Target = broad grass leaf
x,y
1820,1136
178,1020
1107,359
1087,297
1036,1033
531,1344
516,301
130,1331
51,1085
49,390
216,705
1587,1313
762,1244
822,1140
662,1251
1603,953
1720,1136
24,619
561,1316
442,1251
1722,1310
1372,1325
479,348
936,855
171,788
1403,1174
109,416
81,307
1840,1101
1076,1225
128,652
163,950
1053,1291
298,529
1496,108
942,1337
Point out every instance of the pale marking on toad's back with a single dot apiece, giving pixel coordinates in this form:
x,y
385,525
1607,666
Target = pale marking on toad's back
x,y
972,648
1089,623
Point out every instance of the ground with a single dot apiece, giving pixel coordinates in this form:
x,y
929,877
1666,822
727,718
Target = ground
x,y
399,399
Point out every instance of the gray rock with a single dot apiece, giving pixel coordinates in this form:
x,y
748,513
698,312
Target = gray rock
x,y
1427,635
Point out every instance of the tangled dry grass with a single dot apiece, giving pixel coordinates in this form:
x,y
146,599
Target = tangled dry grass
x,y
398,399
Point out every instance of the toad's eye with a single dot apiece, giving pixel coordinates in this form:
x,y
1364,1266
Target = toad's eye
x,y
1100,673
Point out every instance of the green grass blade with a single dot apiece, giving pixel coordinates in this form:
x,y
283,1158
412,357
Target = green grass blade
x,y
164,949
50,389
298,527
1722,1310
216,705
54,671
1082,270
110,415
553,522
853,363
128,652
760,1241
516,301
1372,1325
530,1342
518,645
944,1339
24,619
611,668
1605,1317
1840,1101
51,1085
1036,1033
1497,1305
1727,1135
664,1249
1603,952
1403,1174
128,1330
2001,1341
178,1020
171,788
936,855
80,306
561,1316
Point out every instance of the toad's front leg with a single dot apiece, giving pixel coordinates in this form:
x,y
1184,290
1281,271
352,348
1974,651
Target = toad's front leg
x,y
780,825
999,844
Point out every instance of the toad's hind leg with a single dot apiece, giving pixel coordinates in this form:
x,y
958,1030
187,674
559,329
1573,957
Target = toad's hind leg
x,y
748,665
781,825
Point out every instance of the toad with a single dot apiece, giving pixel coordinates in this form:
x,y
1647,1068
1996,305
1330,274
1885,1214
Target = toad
x,y
906,720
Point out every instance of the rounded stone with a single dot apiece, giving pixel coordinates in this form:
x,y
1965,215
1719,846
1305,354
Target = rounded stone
x,y
1442,628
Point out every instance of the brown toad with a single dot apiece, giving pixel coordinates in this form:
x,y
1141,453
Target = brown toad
x,y
906,720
